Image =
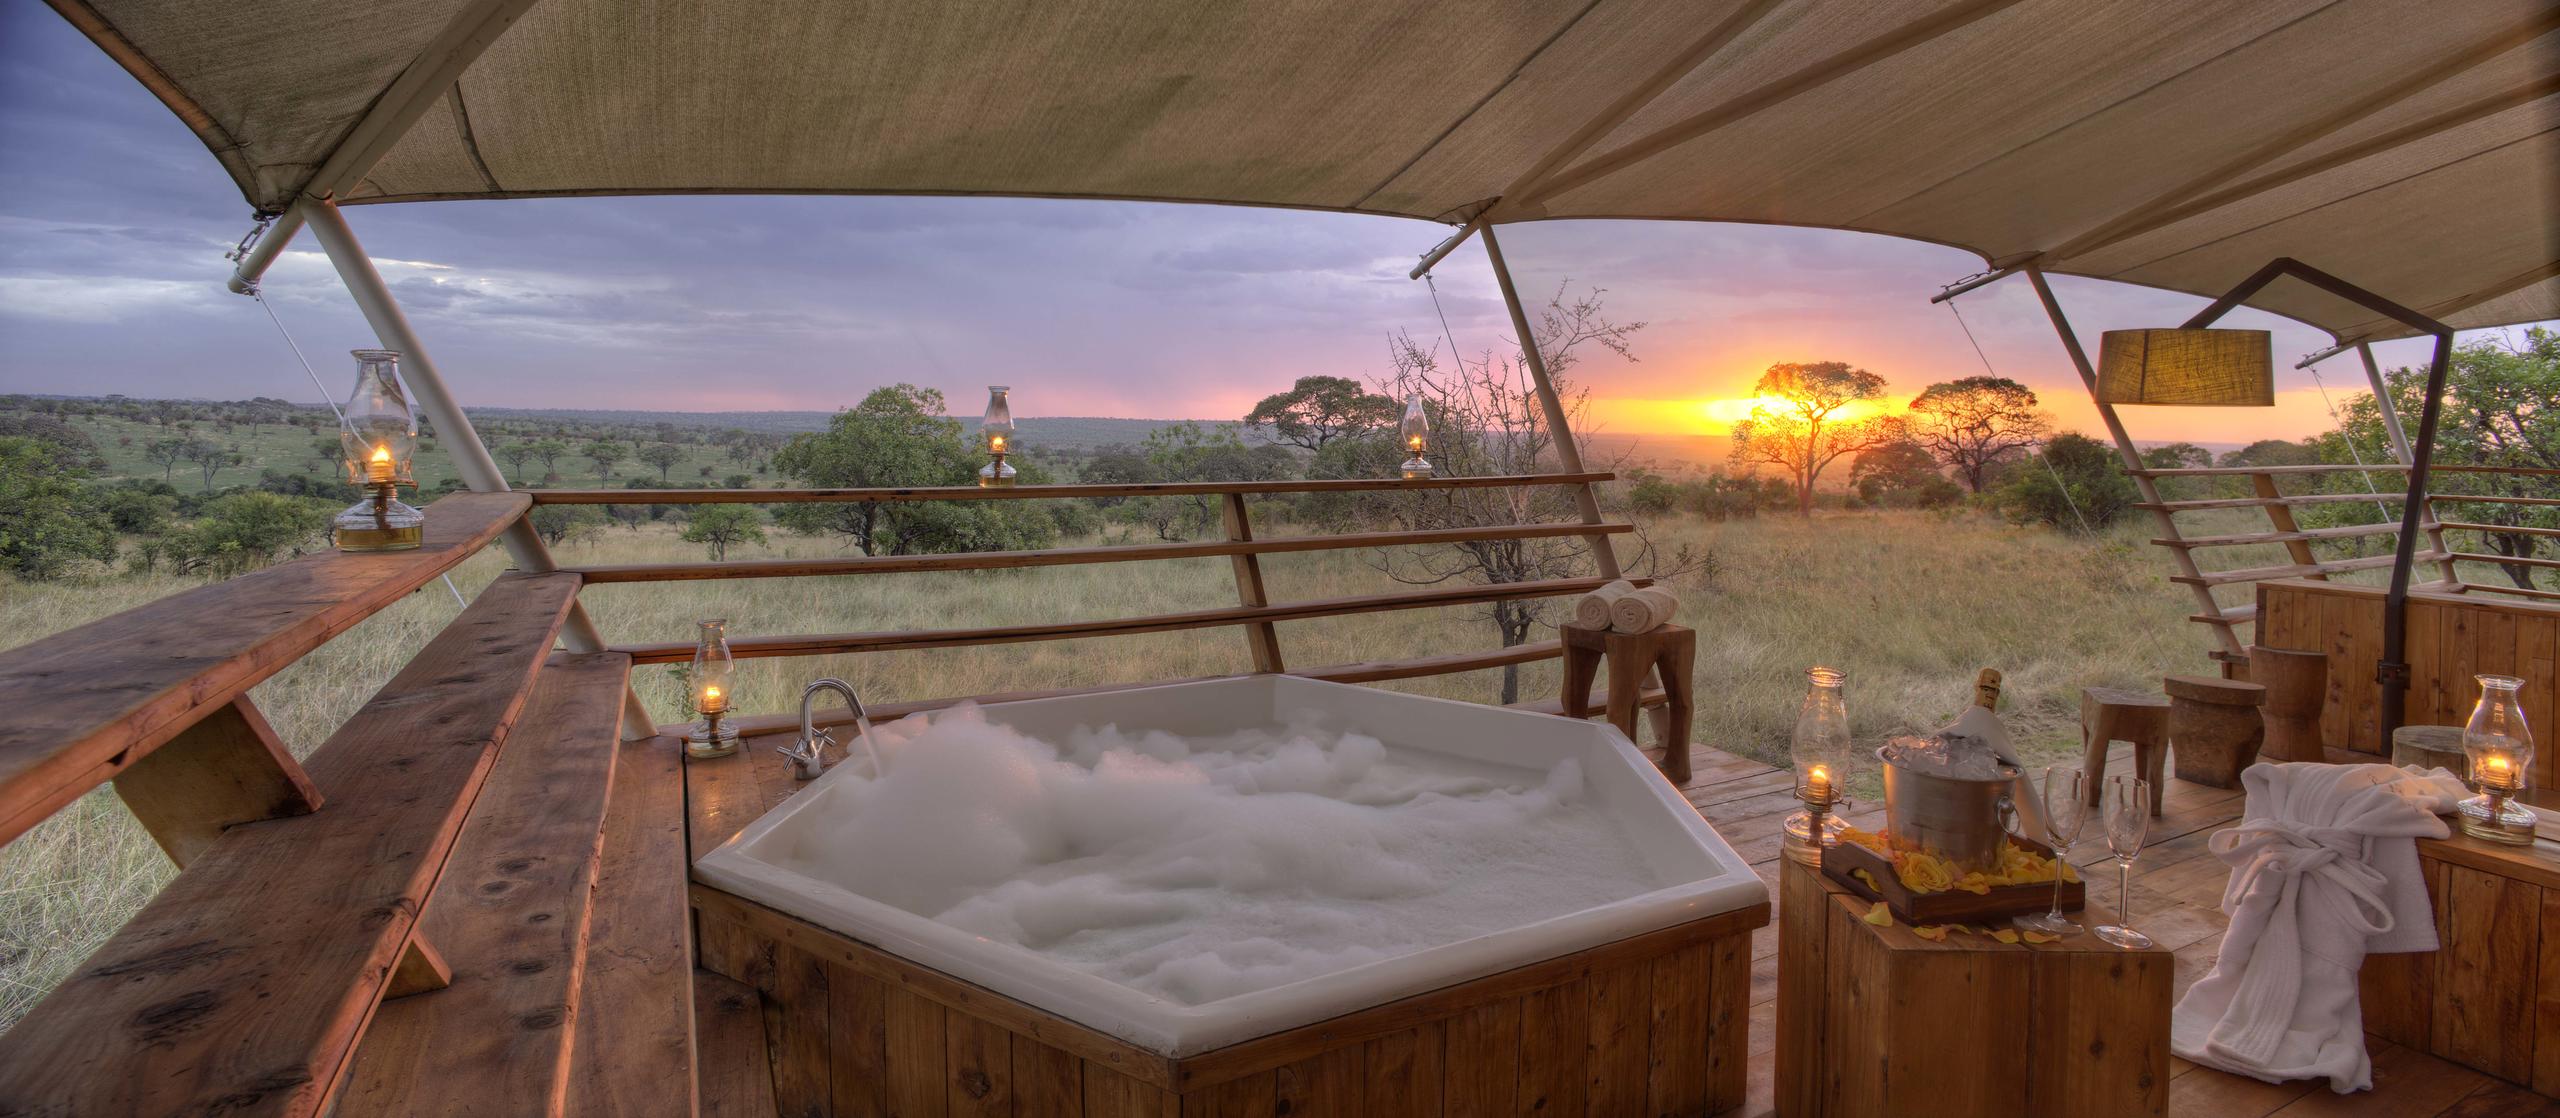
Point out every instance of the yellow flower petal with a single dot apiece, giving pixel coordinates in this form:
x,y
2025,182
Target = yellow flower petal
x,y
2034,936
1931,932
1881,915
2006,935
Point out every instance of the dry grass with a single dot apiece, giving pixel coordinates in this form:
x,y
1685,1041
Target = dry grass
x,y
1908,604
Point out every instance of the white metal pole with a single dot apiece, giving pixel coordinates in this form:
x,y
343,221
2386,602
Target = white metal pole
x,y
471,457
1568,454
2382,400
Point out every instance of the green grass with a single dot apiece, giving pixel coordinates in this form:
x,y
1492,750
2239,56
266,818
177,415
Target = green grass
x,y
1910,605
289,449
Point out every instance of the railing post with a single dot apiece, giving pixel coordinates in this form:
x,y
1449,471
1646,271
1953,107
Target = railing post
x,y
1262,637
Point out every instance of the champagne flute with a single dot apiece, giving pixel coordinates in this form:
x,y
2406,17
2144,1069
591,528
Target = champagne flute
x,y
2127,801
2066,812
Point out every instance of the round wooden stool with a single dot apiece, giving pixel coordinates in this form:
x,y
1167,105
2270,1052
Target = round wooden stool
x,y
2215,726
2431,747
2113,714
2297,687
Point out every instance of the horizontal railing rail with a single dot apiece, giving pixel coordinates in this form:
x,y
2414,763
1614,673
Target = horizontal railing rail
x,y
1040,492
1071,556
2327,468
671,652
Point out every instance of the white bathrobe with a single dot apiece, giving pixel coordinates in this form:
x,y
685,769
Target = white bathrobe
x,y
2324,870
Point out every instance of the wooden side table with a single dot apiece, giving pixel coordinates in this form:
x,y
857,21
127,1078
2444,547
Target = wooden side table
x,y
1670,651
1878,1021
2215,727
2489,998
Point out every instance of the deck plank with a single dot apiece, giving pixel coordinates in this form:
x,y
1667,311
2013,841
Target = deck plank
x,y
510,917
86,702
635,1046
206,1002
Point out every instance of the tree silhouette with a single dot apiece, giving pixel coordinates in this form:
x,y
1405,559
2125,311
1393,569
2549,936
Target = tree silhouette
x,y
1805,431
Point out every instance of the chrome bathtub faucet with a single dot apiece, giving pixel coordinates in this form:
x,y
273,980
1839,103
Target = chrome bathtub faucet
x,y
809,754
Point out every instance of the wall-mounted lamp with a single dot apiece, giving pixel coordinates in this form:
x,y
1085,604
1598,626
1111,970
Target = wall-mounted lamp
x,y
378,434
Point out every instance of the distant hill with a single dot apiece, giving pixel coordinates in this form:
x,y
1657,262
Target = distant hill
x,y
1061,432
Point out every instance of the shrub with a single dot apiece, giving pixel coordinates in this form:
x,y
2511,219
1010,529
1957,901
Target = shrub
x,y
2075,480
243,531
48,520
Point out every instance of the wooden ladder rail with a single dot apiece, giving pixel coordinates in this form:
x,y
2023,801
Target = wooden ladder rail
x,y
1262,638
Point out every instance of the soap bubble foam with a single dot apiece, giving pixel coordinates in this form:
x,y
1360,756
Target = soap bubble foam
x,y
1197,869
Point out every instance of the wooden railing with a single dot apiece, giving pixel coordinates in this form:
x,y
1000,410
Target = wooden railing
x,y
261,981
1254,614
2284,530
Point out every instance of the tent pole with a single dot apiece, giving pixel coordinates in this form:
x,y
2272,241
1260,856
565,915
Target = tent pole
x,y
2382,400
2132,457
471,458
271,244
1568,455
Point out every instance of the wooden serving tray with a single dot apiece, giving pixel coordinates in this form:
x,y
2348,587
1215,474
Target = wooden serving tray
x,y
1955,906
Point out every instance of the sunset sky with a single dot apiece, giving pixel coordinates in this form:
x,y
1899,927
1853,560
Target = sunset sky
x,y
113,221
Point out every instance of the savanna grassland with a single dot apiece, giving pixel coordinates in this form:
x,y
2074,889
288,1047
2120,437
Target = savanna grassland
x,y
1909,604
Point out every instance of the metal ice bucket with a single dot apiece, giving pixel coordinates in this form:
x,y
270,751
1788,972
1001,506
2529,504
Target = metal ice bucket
x,y
1963,820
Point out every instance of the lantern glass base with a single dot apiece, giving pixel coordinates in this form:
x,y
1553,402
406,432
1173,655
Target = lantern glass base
x,y
704,742
2497,819
995,475
392,526
1799,827
1416,468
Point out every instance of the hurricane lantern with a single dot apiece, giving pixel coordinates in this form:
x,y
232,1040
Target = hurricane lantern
x,y
1415,429
2500,749
710,678
378,435
2195,368
997,429
1820,748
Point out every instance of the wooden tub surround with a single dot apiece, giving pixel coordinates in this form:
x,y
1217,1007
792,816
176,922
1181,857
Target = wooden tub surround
x,y
1652,1024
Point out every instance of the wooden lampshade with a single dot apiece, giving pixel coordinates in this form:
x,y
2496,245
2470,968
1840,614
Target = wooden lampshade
x,y
2197,368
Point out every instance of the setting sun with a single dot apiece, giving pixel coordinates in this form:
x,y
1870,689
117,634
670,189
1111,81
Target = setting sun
x,y
1706,417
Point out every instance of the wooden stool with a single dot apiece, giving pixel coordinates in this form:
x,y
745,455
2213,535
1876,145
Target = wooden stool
x,y
1670,650
2296,683
2113,714
1878,1021
2431,747
2215,727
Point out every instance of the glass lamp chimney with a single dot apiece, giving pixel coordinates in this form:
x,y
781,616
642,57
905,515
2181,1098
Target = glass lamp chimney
x,y
997,429
378,437
711,681
1820,749
1415,430
2500,749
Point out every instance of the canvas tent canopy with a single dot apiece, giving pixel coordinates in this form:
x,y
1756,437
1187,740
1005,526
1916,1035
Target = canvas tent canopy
x,y
2411,144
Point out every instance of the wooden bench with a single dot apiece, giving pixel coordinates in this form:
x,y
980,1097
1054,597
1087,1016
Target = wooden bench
x,y
241,989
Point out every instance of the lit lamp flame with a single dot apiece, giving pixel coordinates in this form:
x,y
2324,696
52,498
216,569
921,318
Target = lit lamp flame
x,y
713,700
1818,783
378,467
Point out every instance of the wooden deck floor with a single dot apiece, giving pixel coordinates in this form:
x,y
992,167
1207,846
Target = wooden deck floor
x,y
2177,891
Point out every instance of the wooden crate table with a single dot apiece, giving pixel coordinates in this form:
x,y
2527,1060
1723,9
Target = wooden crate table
x,y
2489,998
1878,1021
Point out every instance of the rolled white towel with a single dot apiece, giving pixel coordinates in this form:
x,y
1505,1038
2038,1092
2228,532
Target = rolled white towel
x,y
1591,611
1643,611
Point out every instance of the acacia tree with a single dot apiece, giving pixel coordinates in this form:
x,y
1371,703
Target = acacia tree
x,y
1319,410
899,437
212,458
551,451
1973,424
1805,432
166,454
721,527
1486,420
662,455
517,454
604,453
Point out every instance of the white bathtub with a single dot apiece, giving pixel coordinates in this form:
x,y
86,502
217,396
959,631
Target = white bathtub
x,y
1678,847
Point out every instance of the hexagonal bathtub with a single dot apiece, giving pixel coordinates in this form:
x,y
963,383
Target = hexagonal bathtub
x,y
1524,838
